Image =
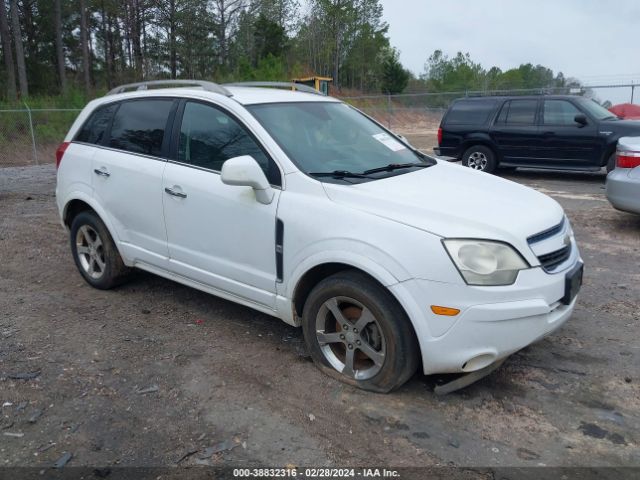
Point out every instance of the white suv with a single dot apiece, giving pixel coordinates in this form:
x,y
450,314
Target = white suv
x,y
301,207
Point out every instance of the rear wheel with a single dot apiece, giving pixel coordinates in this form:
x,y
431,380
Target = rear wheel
x,y
95,253
358,333
480,157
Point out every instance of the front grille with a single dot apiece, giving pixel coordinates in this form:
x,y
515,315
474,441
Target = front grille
x,y
551,261
538,237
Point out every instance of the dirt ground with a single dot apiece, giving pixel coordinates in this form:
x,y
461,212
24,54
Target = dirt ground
x,y
158,374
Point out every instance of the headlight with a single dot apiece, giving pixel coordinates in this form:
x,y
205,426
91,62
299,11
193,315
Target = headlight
x,y
483,262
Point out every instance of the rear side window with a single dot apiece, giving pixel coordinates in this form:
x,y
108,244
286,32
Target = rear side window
x,y
470,112
518,112
139,126
95,128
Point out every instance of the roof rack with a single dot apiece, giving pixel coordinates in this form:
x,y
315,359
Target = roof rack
x,y
208,86
291,85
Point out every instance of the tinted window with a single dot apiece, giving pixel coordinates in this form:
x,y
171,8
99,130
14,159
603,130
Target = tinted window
x,y
559,112
209,137
470,112
94,129
138,126
518,112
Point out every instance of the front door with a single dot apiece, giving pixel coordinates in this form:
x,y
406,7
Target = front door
x,y
565,142
218,234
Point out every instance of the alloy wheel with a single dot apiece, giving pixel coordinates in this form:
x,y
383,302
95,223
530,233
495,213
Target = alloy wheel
x,y
350,338
477,161
90,251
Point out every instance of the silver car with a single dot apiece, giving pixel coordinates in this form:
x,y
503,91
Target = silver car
x,y
623,182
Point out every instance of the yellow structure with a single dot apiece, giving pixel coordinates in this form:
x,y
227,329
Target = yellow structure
x,y
321,84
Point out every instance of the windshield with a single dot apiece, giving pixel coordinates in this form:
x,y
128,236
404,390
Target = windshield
x,y
326,137
595,110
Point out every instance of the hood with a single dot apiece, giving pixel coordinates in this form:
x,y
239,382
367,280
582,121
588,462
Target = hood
x,y
451,201
621,126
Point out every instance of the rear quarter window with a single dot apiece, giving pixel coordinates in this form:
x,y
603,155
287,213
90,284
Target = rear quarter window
x,y
95,128
470,112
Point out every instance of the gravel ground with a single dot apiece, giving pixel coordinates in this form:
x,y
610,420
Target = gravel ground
x,y
149,373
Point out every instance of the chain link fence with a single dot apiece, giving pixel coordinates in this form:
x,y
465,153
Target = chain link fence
x,y
31,136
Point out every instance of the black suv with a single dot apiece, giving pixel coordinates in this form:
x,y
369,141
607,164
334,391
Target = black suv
x,y
560,131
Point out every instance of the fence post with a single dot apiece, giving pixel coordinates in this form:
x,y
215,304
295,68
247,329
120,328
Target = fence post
x,y
633,87
33,136
389,110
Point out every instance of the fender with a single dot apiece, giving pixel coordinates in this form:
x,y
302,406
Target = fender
x,y
350,252
87,197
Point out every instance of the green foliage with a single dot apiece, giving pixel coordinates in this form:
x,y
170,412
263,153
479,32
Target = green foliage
x,y
461,73
394,76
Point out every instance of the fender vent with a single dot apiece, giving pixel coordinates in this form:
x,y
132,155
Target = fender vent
x,y
279,248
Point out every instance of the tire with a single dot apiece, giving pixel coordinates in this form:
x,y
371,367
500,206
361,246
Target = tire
x,y
611,163
383,348
95,253
480,157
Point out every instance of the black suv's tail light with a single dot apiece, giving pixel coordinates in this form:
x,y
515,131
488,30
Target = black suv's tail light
x,y
439,136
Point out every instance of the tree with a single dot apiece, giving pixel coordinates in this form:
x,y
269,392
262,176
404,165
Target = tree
x,y
8,55
17,41
394,76
84,46
57,19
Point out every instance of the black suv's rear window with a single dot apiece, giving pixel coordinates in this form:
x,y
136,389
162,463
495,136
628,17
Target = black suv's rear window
x,y
470,112
139,125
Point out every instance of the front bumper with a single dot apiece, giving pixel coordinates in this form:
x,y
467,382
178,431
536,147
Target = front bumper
x,y
623,190
493,322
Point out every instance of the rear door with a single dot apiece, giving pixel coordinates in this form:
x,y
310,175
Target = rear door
x,y
127,177
566,143
516,133
218,234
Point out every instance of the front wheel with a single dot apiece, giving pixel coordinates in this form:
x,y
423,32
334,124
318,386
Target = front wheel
x,y
358,333
480,158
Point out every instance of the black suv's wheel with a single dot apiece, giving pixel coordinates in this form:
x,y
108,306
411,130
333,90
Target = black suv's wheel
x,y
95,253
358,333
480,158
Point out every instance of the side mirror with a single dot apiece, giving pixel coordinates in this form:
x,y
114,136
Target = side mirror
x,y
580,119
244,171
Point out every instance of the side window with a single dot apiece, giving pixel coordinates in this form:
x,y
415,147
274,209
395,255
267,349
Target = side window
x,y
521,112
470,112
139,125
209,137
559,112
95,128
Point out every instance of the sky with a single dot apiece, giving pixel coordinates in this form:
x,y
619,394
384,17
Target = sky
x,y
596,41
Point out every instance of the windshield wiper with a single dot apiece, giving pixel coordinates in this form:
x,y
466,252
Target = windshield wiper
x,y
339,174
396,166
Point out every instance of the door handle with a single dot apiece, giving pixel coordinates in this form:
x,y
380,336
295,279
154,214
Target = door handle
x,y
173,193
549,134
102,172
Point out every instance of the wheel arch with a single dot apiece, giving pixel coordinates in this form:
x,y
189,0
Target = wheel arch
x,y
319,272
80,202
485,141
